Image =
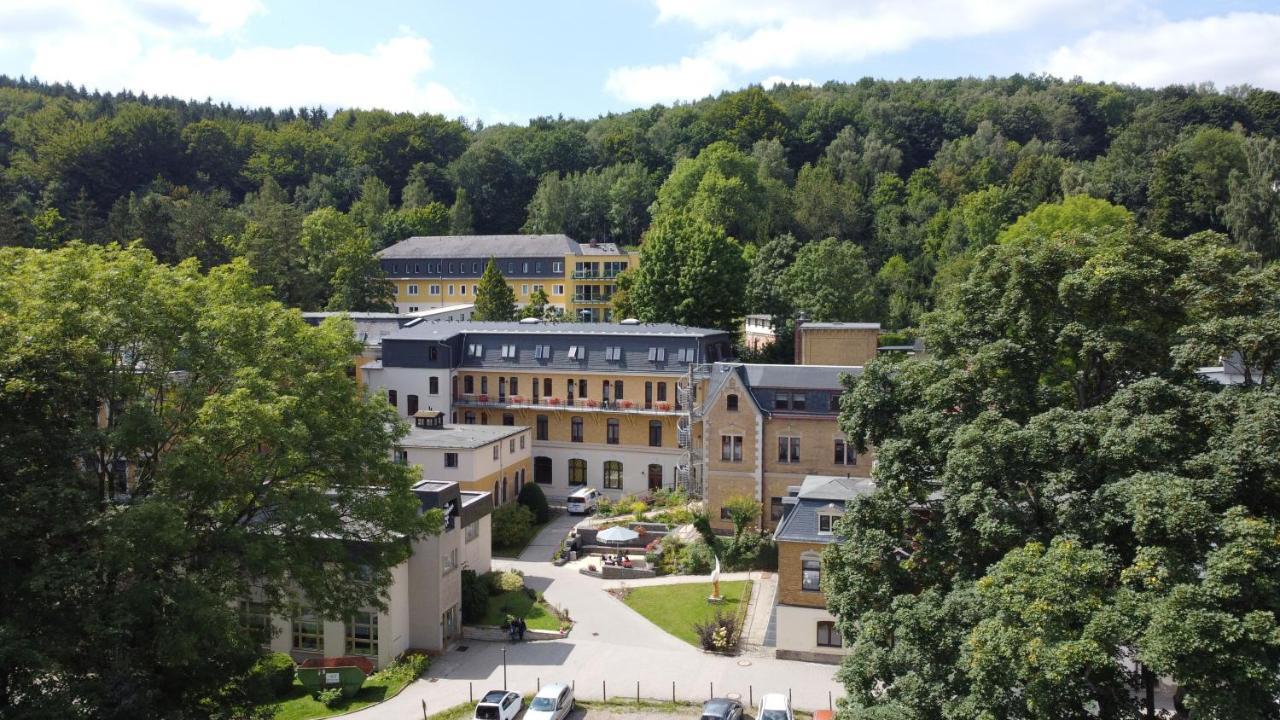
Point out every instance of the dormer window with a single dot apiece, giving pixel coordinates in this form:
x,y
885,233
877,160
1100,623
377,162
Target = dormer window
x,y
577,352
657,354
509,352
826,521
475,350
687,355
613,354
542,352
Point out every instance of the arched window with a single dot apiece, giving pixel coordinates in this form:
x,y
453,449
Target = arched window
x,y
577,471
504,490
495,492
612,475
731,402
542,470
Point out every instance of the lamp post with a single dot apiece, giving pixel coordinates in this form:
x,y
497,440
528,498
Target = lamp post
x,y
504,668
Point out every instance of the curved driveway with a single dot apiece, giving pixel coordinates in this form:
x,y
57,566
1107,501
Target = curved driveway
x,y
610,643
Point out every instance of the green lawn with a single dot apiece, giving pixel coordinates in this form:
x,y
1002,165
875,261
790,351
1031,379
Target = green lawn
x,y
675,608
518,604
301,706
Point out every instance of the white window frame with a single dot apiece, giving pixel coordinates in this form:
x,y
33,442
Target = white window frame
x,y
471,532
810,582
843,451
413,288
557,267
433,289
734,446
449,561
557,289
829,519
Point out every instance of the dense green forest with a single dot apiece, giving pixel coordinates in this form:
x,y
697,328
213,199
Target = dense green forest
x,y
909,178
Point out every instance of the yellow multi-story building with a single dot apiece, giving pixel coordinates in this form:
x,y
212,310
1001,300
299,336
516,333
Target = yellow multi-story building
x,y
603,400
579,278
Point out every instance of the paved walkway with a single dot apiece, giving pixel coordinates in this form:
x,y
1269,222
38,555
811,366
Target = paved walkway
x,y
756,640
611,648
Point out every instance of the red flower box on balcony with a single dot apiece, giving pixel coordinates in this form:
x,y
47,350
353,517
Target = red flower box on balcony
x,y
590,403
664,406
553,401
517,399
626,404
483,398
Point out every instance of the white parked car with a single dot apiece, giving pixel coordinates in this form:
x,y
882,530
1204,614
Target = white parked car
x,y
553,702
583,502
498,705
775,706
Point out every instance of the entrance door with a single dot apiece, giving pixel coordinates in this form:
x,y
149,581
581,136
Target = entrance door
x,y
655,477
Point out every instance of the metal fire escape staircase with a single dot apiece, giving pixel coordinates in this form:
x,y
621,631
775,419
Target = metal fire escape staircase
x,y
692,468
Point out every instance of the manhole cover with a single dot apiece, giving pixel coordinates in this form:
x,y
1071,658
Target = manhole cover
x,y
734,696
744,663
461,648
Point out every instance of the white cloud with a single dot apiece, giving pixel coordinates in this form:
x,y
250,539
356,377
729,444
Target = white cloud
x,y
1227,49
780,80
751,36
688,79
160,47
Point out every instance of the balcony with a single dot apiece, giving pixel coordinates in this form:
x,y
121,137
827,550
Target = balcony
x,y
592,299
555,403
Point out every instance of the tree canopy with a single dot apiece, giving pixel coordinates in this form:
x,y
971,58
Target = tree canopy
x,y
176,442
1059,495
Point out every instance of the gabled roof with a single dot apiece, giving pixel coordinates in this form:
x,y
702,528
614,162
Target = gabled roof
x,y
817,494
502,246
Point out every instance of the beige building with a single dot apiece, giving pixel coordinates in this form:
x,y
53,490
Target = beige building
x,y
836,343
767,427
480,458
805,630
423,602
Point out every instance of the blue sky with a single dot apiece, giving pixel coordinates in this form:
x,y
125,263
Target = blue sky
x,y
509,61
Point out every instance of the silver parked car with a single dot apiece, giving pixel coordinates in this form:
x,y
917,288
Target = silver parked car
x,y
553,702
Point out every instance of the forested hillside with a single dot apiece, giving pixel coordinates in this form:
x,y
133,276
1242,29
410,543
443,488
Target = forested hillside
x,y
907,178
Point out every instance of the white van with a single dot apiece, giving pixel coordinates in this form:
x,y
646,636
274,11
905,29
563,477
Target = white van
x,y
583,502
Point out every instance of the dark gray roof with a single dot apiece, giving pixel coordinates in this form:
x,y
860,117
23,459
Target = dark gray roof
x,y
460,437
818,493
501,246
436,330
801,377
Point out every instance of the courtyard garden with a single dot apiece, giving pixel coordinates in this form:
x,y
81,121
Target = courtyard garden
x,y
682,609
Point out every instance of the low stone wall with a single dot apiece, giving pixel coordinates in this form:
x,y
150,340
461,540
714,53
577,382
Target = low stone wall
x,y
805,656
613,572
497,634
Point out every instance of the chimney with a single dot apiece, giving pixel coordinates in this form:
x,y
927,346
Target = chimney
x,y
801,318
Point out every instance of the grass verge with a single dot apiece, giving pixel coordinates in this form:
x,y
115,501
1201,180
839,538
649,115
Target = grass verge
x,y
518,603
675,608
300,705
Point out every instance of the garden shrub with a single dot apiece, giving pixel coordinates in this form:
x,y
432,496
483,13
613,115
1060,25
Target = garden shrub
x,y
270,678
512,525
406,668
696,559
702,523
475,596
638,508
511,580
718,633
331,698
532,497
750,551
